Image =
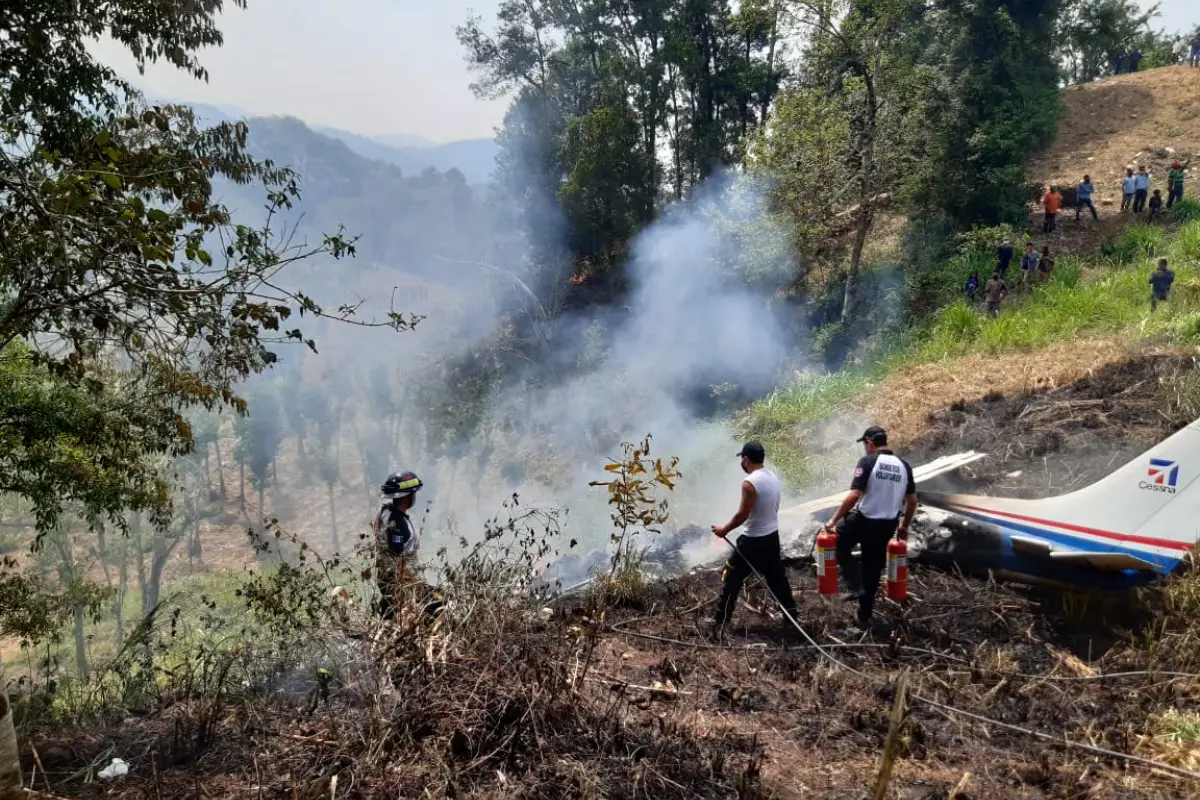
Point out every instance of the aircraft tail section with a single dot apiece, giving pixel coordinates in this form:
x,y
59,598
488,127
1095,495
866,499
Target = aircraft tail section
x,y
1149,509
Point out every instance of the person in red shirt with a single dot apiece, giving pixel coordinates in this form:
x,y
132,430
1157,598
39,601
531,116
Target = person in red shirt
x,y
1051,202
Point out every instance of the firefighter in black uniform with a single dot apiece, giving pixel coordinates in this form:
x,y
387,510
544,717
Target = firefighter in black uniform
x,y
869,516
396,537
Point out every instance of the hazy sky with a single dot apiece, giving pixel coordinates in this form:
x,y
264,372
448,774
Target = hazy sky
x,y
370,66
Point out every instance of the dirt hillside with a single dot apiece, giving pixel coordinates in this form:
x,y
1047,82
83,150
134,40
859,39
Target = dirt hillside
x,y
1124,121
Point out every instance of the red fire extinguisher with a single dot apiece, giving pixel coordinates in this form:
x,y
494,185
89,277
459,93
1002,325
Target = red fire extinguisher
x,y
897,569
827,570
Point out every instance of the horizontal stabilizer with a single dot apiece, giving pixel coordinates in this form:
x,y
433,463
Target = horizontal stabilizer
x,y
1103,561
1030,546
827,505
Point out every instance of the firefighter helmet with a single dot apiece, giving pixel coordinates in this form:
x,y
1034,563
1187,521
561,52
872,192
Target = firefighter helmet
x,y
400,484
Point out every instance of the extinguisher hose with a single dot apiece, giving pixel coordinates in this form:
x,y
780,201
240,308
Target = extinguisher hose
x,y
954,711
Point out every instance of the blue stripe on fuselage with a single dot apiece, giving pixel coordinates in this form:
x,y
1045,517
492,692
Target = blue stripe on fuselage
x,y
1165,563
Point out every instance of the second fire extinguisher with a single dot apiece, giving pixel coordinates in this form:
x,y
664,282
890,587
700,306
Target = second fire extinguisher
x,y
897,569
827,568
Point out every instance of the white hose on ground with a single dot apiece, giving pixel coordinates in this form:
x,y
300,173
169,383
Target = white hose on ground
x,y
952,710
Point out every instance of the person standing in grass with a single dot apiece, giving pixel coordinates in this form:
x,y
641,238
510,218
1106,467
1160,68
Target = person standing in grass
x,y
995,291
1175,183
1128,189
1141,189
1004,256
1160,284
1156,205
972,287
1045,265
1051,202
1084,194
1029,263
1194,50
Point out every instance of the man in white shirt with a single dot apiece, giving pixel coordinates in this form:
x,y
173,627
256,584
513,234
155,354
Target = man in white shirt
x,y
883,484
758,546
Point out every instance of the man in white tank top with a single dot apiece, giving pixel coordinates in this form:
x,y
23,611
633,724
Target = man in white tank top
x,y
758,546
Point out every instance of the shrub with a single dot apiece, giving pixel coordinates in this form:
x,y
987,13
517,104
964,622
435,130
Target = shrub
x,y
1185,210
1185,247
1134,244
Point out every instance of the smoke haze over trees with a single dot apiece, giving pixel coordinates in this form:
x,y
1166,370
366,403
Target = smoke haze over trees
x,y
682,209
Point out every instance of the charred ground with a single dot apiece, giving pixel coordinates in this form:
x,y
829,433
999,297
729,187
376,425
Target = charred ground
x,y
623,694
1056,440
504,707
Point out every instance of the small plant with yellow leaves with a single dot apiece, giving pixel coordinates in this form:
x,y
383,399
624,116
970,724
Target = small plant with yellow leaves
x,y
631,493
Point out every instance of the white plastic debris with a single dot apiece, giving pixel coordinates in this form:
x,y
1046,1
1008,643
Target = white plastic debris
x,y
116,769
1016,474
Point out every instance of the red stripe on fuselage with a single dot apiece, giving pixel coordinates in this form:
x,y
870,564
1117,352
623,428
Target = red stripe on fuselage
x,y
1119,537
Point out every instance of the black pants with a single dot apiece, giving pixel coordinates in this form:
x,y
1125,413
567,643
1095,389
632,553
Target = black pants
x,y
762,553
385,579
872,535
1174,192
1139,201
1088,204
1048,223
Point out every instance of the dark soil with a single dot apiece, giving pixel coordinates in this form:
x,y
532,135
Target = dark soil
x,y
1058,440
648,703
667,710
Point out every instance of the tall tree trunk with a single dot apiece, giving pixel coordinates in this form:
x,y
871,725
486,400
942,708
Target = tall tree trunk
x,y
122,592
135,528
81,657
196,546
866,188
302,457
333,526
162,554
768,89
861,229
68,576
220,468
262,511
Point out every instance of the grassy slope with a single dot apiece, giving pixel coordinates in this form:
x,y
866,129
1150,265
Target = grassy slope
x,y
1093,311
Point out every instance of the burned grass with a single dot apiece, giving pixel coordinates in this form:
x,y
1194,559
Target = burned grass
x,y
503,707
1058,438
499,698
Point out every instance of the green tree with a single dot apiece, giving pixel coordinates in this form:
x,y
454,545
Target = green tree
x,y
992,101
597,85
847,131
263,433
113,247
325,412
1093,32
605,192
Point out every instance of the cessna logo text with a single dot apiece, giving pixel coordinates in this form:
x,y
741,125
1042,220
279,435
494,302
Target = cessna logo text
x,y
1162,475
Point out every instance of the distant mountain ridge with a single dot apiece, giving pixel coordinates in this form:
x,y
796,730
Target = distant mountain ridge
x,y
474,158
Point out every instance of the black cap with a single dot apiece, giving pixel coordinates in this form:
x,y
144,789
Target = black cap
x,y
753,451
873,434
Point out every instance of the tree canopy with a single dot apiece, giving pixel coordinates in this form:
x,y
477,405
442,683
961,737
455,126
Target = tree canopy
x,y
117,266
